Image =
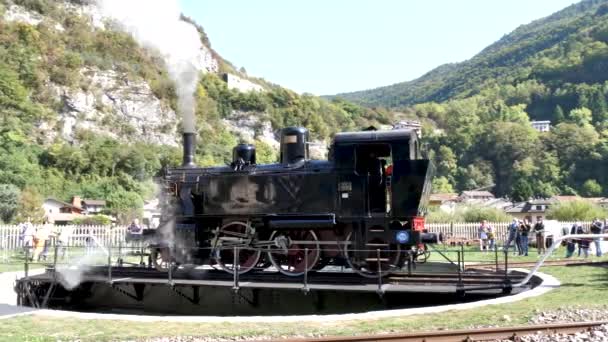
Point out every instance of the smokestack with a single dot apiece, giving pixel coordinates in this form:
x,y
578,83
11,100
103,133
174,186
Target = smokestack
x,y
189,148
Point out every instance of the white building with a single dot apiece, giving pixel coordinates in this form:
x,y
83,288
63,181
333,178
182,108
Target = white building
x,y
541,126
415,125
240,84
92,207
60,212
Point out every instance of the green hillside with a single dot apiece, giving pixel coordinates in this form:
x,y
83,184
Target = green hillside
x,y
555,48
477,113
60,51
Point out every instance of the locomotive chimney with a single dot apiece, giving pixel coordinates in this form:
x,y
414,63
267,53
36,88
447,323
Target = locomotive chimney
x,y
189,147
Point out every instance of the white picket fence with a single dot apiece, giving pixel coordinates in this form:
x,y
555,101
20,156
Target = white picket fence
x,y
470,230
77,236
107,236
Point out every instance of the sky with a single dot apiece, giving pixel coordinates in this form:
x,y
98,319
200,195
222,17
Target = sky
x,y
326,47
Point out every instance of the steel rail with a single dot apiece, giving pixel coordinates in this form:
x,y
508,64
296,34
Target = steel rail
x,y
460,335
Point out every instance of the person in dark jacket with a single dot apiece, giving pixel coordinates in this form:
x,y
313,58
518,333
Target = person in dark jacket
x,y
570,243
583,243
539,230
596,228
524,230
512,229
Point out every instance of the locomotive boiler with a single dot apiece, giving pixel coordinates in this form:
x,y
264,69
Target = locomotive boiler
x,y
362,208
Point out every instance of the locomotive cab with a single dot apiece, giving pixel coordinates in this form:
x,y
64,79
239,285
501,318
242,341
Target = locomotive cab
x,y
385,165
382,174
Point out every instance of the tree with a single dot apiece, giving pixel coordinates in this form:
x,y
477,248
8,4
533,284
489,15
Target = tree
x,y
476,175
30,206
503,144
591,188
581,116
442,185
579,210
522,190
9,201
559,115
265,154
125,205
446,162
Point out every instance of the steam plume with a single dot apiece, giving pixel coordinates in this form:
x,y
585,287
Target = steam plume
x,y
156,24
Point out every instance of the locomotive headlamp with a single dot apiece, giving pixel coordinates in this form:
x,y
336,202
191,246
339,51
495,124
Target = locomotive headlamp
x,y
402,236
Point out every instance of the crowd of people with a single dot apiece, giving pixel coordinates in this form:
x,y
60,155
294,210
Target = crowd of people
x,y
583,243
519,231
37,240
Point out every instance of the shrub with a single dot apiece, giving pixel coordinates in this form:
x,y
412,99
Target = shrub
x,y
95,220
469,213
578,210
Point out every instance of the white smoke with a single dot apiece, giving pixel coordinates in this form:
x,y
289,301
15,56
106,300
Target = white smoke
x,y
72,273
156,24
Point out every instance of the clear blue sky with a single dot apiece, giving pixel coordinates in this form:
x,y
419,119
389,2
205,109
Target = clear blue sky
x,y
331,46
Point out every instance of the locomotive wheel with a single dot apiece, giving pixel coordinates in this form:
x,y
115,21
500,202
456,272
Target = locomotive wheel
x,y
366,263
295,261
236,234
161,259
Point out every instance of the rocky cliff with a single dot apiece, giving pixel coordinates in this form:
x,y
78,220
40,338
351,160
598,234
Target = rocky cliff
x,y
114,103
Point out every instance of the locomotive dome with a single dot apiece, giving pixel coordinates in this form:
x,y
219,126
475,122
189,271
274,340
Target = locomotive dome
x,y
294,145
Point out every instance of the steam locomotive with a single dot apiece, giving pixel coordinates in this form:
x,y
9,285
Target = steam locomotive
x,y
362,208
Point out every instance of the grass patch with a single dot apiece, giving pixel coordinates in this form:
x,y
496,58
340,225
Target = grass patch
x,y
588,284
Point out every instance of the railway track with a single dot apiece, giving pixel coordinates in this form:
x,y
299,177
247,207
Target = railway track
x,y
486,334
533,263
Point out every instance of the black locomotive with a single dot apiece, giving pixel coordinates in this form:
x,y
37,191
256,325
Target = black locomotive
x,y
362,208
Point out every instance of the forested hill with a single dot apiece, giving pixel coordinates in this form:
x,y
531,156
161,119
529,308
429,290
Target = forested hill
x,y
476,114
85,110
566,46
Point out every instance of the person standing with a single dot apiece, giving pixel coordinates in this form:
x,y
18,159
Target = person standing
x,y
512,229
28,237
524,230
596,228
570,244
583,243
539,230
40,241
491,237
483,236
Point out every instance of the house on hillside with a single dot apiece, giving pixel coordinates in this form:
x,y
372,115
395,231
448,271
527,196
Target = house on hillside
x,y
532,210
64,213
436,200
475,196
414,125
92,206
61,212
151,217
497,203
541,126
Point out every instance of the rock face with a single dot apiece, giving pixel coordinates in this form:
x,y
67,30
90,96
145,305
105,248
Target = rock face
x,y
241,84
16,13
249,126
116,106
